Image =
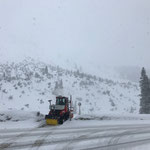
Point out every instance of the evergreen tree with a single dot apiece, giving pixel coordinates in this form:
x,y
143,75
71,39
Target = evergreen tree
x,y
145,93
56,85
58,89
61,84
46,70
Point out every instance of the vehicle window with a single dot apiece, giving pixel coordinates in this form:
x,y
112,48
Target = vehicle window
x,y
60,101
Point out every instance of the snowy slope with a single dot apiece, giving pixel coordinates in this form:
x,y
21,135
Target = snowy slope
x,y
28,85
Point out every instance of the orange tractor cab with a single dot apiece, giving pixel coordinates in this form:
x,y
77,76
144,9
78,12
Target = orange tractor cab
x,y
60,112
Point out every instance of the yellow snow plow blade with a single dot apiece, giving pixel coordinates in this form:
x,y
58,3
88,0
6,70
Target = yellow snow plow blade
x,y
51,122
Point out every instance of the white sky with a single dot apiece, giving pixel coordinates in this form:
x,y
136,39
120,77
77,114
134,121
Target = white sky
x,y
111,32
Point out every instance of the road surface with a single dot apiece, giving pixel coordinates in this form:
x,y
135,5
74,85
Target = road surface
x,y
109,137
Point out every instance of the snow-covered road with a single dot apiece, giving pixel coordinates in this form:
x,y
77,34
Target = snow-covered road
x,y
107,137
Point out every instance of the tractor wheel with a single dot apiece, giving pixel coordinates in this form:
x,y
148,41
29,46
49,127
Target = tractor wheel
x,y
61,121
66,116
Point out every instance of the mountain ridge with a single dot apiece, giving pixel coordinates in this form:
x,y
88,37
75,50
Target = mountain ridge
x,y
28,85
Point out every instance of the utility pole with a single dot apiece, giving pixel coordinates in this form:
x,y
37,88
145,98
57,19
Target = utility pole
x,y
79,104
75,107
70,107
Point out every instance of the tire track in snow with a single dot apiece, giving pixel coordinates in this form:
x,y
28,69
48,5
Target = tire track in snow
x,y
119,145
36,131
43,141
70,128
60,141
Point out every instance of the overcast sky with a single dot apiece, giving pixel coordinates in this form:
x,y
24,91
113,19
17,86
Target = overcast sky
x,y
111,32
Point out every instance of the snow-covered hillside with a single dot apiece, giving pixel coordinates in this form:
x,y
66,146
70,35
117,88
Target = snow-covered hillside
x,y
28,85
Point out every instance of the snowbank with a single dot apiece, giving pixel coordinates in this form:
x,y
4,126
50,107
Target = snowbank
x,y
113,117
20,119
86,121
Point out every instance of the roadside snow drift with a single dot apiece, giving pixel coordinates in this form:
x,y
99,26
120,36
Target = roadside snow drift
x,y
20,119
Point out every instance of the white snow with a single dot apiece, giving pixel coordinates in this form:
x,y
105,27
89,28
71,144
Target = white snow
x,y
25,86
81,134
20,119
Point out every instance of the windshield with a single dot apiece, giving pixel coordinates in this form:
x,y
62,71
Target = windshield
x,y
60,101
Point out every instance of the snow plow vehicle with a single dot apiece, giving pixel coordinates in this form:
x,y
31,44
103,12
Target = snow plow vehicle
x,y
60,112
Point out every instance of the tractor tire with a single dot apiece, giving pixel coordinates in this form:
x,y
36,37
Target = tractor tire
x,y
66,116
61,121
